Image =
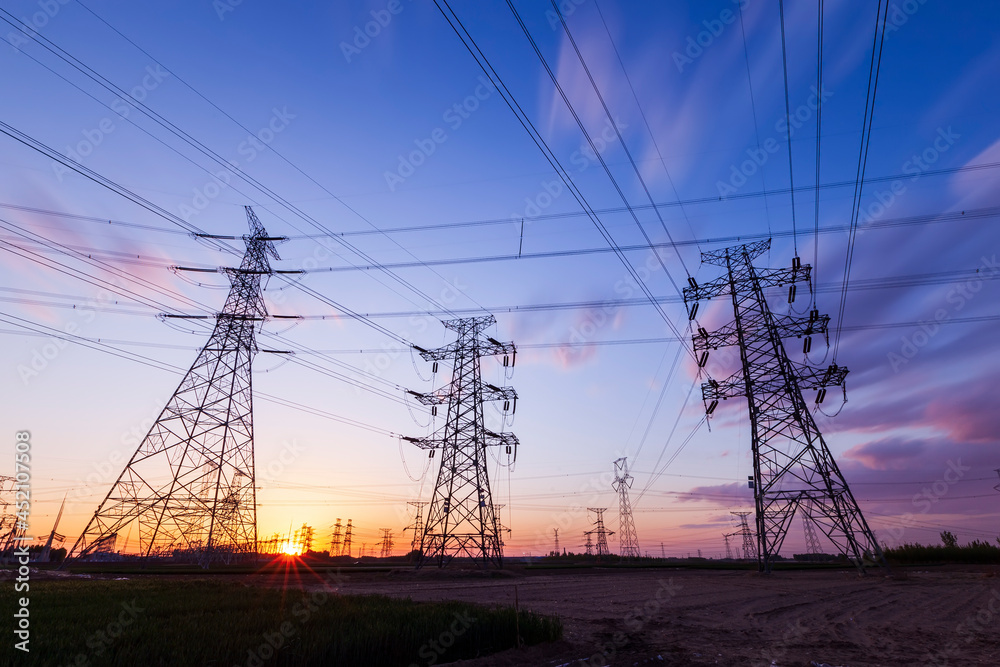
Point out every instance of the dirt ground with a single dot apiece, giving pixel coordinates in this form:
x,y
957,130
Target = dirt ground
x,y
932,616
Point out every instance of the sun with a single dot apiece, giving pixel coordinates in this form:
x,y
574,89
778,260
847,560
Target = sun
x,y
290,549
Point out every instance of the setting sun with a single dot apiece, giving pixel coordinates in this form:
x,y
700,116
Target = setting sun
x,y
290,549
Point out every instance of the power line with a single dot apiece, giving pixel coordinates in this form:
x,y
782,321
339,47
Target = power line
x,y
866,132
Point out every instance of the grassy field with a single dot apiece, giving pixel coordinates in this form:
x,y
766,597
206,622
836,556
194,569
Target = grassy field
x,y
203,622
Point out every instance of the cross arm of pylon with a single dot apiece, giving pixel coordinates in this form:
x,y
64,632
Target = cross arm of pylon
x,y
787,326
811,377
424,443
732,387
500,439
430,398
696,291
439,354
492,392
780,277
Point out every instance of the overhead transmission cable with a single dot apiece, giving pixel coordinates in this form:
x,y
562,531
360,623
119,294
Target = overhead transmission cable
x,y
866,131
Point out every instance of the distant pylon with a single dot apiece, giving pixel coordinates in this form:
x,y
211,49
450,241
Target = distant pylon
x,y
347,540
589,546
191,483
417,526
335,543
53,536
997,471
749,543
626,531
386,542
601,532
462,520
812,542
791,461
556,550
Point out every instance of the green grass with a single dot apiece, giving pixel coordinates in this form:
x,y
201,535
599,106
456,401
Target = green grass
x,y
205,622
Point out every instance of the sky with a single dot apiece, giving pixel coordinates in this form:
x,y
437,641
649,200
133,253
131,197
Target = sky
x,y
368,133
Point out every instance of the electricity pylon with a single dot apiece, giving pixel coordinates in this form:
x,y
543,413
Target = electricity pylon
x,y
589,546
812,542
626,531
601,532
417,526
556,532
386,542
792,463
729,549
462,519
749,543
336,541
347,539
190,484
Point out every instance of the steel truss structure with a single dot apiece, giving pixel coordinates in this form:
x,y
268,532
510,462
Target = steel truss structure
x,y
191,483
601,532
626,526
792,463
462,520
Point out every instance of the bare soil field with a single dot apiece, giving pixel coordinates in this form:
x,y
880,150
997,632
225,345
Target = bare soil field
x,y
929,616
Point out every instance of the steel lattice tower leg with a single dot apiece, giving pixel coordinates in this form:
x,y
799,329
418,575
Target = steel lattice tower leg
x,y
462,519
626,530
190,484
792,463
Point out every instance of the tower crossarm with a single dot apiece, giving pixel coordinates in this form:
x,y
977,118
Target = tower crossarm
x,y
811,377
500,439
429,398
732,387
492,392
787,327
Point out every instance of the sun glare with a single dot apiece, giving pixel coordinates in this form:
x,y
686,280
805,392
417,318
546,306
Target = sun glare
x,y
290,549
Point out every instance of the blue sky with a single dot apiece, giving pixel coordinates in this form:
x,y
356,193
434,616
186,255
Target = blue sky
x,y
339,121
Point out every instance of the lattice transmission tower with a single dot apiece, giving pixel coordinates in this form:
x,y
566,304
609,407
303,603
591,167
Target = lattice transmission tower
x,y
749,539
336,540
417,526
347,539
626,526
792,463
729,549
462,519
190,484
600,531
812,541
387,542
